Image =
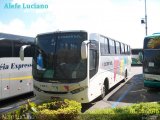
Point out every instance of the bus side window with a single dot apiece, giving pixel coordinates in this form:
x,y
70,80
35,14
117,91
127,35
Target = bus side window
x,y
117,47
104,46
6,48
29,52
126,49
16,48
122,48
112,46
93,59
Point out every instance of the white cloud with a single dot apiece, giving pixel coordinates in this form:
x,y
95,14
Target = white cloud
x,y
100,16
121,22
41,25
16,26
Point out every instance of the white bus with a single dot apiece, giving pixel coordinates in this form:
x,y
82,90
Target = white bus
x,y
77,65
135,57
15,75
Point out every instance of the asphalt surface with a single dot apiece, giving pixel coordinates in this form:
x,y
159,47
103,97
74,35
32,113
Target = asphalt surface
x,y
130,92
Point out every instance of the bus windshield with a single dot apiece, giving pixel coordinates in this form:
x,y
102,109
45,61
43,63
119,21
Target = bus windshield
x,y
58,57
151,64
152,42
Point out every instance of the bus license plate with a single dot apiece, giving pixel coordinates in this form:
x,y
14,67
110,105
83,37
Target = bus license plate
x,y
151,64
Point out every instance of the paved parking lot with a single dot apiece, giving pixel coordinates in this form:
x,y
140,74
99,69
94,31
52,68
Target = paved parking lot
x,y
128,93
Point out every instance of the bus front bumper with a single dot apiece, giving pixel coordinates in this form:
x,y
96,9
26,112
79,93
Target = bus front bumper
x,y
79,97
152,84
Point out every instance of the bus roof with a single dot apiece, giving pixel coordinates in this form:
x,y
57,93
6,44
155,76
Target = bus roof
x,y
16,37
153,35
61,32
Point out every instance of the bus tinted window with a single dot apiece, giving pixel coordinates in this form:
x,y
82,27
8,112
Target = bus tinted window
x,y
117,47
5,48
104,46
136,51
16,48
112,46
152,42
92,59
122,48
126,50
29,52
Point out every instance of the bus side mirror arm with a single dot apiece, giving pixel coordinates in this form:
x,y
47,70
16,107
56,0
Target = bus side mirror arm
x,y
84,49
21,52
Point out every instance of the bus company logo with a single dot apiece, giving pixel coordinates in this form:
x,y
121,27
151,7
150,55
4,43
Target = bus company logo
x,y
3,66
107,63
20,66
14,66
68,36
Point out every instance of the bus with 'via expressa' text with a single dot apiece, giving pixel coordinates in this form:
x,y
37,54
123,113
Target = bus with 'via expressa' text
x,y
15,75
77,65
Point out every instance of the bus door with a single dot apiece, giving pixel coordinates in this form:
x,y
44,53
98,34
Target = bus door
x,y
93,58
0,86
93,68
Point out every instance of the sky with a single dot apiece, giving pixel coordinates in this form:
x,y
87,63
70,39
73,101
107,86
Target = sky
x,y
117,19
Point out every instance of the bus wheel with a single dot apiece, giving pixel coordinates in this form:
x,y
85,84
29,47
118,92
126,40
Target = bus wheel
x,y
125,76
103,94
104,89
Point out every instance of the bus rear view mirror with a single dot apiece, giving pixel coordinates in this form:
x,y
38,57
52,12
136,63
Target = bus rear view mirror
x,y
140,55
84,49
21,52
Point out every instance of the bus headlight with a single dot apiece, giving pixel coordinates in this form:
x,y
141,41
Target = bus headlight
x,y
78,90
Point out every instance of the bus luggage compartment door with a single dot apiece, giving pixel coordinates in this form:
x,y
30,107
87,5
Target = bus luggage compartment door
x,y
5,86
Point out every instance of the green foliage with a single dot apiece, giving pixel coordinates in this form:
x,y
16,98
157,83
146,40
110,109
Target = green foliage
x,y
24,112
134,112
53,110
71,110
66,110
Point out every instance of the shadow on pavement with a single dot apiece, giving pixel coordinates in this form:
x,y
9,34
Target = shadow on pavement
x,y
134,92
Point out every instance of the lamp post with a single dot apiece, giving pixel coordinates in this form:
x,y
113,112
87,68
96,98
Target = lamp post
x,y
146,18
144,21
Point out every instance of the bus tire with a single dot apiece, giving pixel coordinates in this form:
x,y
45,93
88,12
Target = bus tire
x,y
104,89
125,76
